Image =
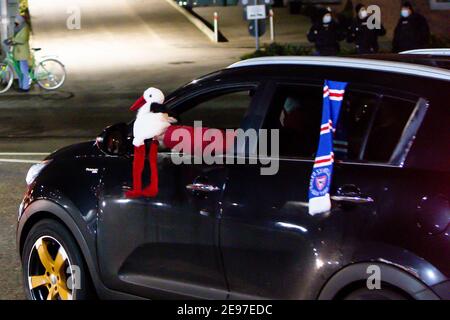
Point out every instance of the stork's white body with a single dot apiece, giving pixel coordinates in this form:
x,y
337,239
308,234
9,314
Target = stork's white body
x,y
149,125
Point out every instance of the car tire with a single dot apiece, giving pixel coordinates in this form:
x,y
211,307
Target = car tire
x,y
52,265
375,294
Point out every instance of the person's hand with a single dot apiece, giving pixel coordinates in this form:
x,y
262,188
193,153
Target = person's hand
x,y
160,139
170,119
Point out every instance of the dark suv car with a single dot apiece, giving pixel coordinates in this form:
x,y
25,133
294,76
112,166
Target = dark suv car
x,y
247,235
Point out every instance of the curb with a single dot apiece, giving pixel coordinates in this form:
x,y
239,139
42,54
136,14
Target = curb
x,y
195,21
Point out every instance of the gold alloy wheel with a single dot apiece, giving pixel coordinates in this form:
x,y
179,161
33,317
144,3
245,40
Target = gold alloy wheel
x,y
48,264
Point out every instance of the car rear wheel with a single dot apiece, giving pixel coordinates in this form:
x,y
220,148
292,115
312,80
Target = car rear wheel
x,y
52,265
375,294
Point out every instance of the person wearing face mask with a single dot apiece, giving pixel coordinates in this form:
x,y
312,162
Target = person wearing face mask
x,y
326,34
365,38
412,31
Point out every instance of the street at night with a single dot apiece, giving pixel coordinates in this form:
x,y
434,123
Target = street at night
x,y
111,60
343,201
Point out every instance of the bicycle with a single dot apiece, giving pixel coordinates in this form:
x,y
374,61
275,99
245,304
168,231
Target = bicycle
x,y
49,73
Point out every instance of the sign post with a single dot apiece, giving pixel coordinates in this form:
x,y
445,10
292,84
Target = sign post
x,y
272,33
256,12
256,29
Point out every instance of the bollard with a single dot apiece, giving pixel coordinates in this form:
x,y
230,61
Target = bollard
x,y
272,33
216,27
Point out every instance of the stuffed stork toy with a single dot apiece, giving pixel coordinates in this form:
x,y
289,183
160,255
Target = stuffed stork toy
x,y
147,126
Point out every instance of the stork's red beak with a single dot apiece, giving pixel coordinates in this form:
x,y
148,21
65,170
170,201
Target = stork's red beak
x,y
139,103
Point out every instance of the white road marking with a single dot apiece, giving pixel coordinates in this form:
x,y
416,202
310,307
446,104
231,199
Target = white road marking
x,y
19,161
22,154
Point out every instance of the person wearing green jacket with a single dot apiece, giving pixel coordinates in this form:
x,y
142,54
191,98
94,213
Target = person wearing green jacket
x,y
21,51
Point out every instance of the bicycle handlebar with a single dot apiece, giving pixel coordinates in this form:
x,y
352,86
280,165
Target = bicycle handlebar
x,y
11,43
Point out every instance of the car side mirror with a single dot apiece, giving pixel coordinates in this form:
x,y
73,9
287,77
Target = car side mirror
x,y
115,140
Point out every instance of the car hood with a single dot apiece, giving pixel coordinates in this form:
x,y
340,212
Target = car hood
x,y
88,148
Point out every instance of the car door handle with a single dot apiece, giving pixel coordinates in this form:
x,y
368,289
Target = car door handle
x,y
352,199
201,187
351,194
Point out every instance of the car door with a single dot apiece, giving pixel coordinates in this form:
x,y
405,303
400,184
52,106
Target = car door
x,y
168,245
271,246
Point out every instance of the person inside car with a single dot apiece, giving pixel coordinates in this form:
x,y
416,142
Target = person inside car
x,y
412,31
292,114
364,36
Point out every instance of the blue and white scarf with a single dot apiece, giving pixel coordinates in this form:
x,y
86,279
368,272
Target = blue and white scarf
x,y
319,185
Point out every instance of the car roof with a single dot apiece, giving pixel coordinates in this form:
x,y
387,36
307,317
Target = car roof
x,y
395,63
432,51
427,59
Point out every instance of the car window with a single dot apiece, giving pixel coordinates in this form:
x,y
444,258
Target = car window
x,y
296,111
369,126
390,121
221,110
357,112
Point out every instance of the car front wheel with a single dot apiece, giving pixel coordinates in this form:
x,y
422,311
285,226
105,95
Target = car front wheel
x,y
52,265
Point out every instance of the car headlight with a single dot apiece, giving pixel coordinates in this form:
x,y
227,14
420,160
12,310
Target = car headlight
x,y
34,171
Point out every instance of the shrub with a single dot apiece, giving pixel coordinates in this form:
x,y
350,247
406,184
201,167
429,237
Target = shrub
x,y
276,49
439,41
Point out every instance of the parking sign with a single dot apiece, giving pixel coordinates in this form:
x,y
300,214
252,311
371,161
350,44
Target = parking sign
x,y
256,12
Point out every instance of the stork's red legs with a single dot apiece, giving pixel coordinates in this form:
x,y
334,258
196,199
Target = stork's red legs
x,y
152,189
138,167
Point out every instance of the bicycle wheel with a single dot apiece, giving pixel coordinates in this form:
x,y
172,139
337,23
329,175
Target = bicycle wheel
x,y
6,77
50,74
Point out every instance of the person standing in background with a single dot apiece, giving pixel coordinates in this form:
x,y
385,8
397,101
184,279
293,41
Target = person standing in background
x,y
326,34
365,38
412,31
21,51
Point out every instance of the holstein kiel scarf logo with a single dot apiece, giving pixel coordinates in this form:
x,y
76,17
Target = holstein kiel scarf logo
x,y
319,186
321,182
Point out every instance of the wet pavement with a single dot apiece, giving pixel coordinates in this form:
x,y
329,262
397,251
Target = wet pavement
x,y
110,61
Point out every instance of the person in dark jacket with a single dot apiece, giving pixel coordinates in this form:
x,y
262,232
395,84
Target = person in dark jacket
x,y
364,37
412,31
326,34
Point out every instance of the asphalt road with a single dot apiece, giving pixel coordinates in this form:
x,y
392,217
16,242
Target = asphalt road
x,y
12,186
122,47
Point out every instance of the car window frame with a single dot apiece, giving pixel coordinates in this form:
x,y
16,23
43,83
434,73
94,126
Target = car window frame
x,y
401,151
409,133
228,87
247,122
